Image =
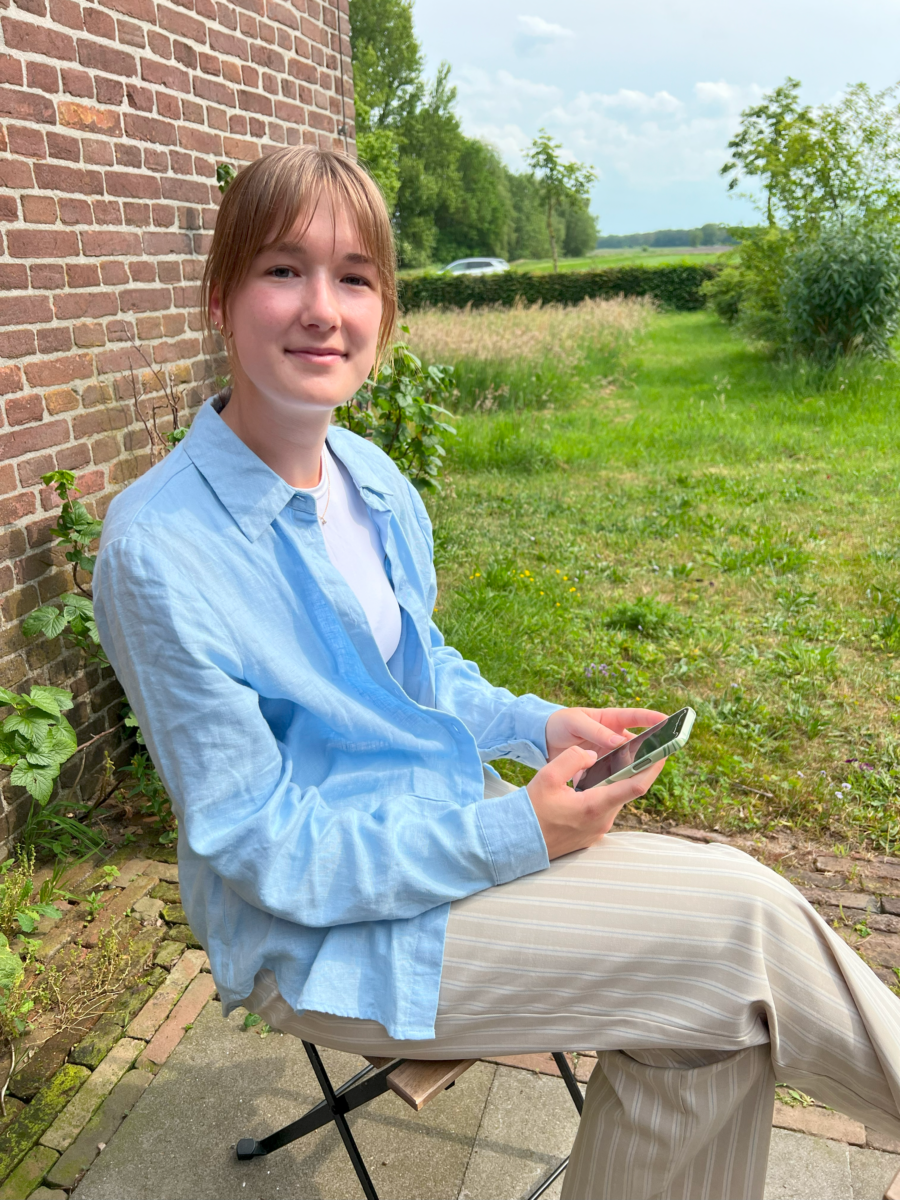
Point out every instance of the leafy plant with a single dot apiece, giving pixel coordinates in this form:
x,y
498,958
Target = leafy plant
x,y
560,183
147,786
36,739
841,293
18,904
401,412
225,174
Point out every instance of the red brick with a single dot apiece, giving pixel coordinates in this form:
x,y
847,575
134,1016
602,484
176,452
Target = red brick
x,y
228,44
237,124
178,22
128,155
75,212
38,39
41,76
77,83
236,148
119,331
165,75
39,210
139,98
66,12
59,370
17,342
209,65
320,120
97,57
145,299
52,341
269,57
231,71
97,152
10,380
73,457
249,27
101,420
150,129
10,69
90,334
82,275
249,76
166,352
42,243
159,44
292,113
140,10
30,472
99,24
182,163
89,119
46,275
113,274
142,271
27,106
282,14
60,145
185,54
120,183
257,128
156,160
31,439
8,484
169,106
16,507
22,410
167,243
72,305
130,34
57,178
26,141
185,190
59,400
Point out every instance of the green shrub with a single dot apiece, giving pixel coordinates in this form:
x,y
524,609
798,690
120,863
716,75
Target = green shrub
x,y
841,293
747,292
676,287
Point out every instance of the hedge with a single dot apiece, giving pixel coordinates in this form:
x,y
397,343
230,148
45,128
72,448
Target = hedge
x,y
675,287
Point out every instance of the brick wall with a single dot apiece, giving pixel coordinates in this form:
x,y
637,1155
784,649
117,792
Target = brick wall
x,y
114,115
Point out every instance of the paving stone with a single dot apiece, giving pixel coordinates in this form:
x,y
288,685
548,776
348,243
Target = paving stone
x,y
169,892
169,953
850,900
148,910
158,1007
871,1172
67,1126
100,1129
891,904
528,1127
166,872
163,854
820,1122
66,932
116,908
144,945
28,1174
883,949
183,1015
223,1083
174,914
544,1064
698,835
876,1140
13,1108
882,923
130,870
45,1193
807,1168
184,933
815,879
35,1118
91,1050
46,1061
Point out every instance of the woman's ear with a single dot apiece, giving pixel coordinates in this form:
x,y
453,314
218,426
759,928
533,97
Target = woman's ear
x,y
216,316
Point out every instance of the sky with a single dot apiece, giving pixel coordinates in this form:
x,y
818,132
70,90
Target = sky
x,y
648,91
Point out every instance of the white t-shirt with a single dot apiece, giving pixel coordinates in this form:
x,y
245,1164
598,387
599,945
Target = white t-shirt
x,y
354,547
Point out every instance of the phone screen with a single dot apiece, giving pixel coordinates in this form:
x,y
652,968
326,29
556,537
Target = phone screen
x,y
629,752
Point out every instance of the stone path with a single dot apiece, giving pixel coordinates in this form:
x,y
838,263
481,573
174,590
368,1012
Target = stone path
x,y
151,1102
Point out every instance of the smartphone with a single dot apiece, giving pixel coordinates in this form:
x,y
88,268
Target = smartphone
x,y
636,755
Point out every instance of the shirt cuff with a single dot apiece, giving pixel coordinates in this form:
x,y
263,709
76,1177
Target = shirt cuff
x,y
530,714
513,835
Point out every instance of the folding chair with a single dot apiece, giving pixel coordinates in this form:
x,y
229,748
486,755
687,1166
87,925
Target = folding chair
x,y
415,1081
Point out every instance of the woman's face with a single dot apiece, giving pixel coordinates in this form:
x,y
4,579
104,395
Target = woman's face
x,y
304,323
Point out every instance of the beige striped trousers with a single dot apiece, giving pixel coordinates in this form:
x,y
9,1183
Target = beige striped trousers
x,y
699,977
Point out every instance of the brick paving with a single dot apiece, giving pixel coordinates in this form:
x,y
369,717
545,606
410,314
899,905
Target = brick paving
x,y
70,1098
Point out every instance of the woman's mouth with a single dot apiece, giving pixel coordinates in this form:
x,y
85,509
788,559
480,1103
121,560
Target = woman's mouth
x,y
321,355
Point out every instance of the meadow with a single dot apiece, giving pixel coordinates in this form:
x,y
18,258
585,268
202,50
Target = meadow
x,y
674,519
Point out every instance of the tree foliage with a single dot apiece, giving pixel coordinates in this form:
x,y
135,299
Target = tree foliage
x,y
450,196
560,183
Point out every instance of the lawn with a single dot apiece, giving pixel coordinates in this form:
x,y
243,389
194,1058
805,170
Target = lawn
x,y
707,529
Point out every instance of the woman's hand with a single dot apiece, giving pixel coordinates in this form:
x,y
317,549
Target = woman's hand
x,y
571,820
576,737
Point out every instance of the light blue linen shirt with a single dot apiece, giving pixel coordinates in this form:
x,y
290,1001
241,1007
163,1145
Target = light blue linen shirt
x,y
330,805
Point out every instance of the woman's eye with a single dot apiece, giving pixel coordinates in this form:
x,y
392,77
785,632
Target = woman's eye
x,y
281,272
356,280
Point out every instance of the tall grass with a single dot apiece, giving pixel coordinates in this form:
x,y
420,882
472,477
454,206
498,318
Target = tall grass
x,y
530,355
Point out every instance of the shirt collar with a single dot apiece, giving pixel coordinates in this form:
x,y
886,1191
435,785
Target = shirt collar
x,y
252,492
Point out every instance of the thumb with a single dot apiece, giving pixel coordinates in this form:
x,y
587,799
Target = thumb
x,y
568,764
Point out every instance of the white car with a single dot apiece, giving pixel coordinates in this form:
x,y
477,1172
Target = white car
x,y
477,266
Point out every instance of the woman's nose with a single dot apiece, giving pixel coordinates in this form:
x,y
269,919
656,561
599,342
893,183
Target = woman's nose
x,y
318,302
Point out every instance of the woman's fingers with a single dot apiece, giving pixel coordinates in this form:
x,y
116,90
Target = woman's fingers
x,y
621,720
566,765
629,789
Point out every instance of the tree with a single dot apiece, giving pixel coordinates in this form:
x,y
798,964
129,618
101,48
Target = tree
x,y
387,61
559,182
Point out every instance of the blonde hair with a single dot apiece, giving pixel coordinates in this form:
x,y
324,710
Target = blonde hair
x,y
265,200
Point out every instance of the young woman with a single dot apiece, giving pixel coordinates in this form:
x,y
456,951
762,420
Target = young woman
x,y
357,875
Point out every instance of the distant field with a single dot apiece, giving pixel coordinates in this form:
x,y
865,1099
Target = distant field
x,y
660,256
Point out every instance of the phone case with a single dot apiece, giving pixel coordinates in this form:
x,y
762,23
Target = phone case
x,y
662,752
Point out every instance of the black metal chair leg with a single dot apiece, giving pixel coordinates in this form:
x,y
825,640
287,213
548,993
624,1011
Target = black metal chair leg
x,y
334,1103
571,1082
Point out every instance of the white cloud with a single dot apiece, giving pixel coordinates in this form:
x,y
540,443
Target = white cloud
x,y
537,27
728,96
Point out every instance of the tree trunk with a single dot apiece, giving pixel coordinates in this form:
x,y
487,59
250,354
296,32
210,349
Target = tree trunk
x,y
552,235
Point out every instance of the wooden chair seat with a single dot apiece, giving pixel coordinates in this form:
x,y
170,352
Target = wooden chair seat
x,y
416,1081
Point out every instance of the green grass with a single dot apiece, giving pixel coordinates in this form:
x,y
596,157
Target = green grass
x,y
655,256
721,532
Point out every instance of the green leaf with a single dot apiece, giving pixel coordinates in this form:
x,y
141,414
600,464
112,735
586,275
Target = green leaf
x,y
46,910
8,697
49,620
52,699
37,781
11,968
252,1019
32,724
27,920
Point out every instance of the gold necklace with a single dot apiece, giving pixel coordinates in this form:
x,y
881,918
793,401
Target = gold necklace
x,y
328,490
